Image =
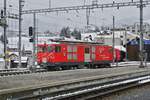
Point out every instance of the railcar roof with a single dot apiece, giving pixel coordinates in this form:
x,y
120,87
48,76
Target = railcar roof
x,y
77,42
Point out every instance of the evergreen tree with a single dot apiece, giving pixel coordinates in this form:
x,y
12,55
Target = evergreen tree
x,y
97,29
65,32
2,39
76,34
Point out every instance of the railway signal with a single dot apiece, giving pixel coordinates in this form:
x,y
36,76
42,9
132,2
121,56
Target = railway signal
x,y
2,14
31,34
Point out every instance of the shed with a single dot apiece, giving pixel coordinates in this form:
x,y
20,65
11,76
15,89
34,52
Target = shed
x,y
133,49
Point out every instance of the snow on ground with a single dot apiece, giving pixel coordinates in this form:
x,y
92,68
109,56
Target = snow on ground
x,y
2,63
1,48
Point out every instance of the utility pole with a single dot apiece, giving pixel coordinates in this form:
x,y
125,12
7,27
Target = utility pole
x,y
113,40
50,4
20,30
141,34
84,2
5,28
94,2
87,16
75,8
126,44
34,40
20,24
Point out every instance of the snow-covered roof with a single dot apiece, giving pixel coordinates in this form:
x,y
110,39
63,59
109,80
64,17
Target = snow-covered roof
x,y
23,60
15,53
131,36
120,48
84,35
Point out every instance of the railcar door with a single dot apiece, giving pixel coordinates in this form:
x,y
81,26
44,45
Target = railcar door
x,y
87,55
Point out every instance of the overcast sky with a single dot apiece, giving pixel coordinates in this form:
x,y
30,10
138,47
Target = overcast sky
x,y
55,21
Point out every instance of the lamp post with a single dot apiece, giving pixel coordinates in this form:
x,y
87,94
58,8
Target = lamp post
x,y
34,42
126,54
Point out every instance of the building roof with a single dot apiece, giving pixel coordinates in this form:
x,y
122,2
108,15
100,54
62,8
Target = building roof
x,y
136,42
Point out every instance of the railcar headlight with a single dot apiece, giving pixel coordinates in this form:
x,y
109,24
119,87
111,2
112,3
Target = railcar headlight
x,y
44,60
52,56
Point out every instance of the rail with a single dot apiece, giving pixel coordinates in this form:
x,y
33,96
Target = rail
x,y
13,72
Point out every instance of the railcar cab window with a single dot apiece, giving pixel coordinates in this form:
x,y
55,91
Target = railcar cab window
x,y
49,49
41,49
57,49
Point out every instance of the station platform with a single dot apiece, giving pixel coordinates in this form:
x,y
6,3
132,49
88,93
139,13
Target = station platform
x,y
58,77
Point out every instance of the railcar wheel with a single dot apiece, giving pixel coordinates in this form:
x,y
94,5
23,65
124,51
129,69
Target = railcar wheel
x,y
81,67
75,67
100,66
89,66
95,66
108,65
71,68
58,68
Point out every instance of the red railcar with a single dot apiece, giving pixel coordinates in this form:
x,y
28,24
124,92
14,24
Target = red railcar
x,y
66,55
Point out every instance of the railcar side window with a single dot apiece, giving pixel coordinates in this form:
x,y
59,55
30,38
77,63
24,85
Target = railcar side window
x,y
93,56
69,48
74,49
87,50
75,56
69,56
93,49
58,49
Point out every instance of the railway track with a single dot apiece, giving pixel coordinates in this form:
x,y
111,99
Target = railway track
x,y
129,63
13,72
8,70
93,92
78,88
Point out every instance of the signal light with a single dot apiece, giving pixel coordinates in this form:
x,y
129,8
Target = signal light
x,y
31,40
2,14
30,31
